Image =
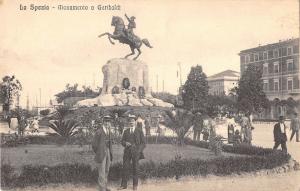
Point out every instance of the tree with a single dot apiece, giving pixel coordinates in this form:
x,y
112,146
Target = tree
x,y
45,112
180,121
223,105
10,87
72,91
250,95
195,90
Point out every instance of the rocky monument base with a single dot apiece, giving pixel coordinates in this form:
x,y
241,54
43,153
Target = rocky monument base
x,y
125,83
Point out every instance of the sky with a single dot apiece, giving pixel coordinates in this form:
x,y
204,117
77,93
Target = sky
x,y
48,49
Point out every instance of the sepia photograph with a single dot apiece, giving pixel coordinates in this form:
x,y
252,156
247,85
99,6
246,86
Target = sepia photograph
x,y
173,95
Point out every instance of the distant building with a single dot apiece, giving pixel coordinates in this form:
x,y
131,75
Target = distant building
x,y
223,82
279,63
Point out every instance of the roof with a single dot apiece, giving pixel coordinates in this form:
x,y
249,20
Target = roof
x,y
226,73
272,45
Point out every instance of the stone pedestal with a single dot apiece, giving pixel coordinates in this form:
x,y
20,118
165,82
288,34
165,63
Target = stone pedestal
x,y
117,69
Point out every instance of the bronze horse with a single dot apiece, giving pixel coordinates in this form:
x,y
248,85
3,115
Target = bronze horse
x,y
119,34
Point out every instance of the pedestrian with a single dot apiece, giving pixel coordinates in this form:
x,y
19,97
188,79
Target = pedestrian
x,y
295,126
116,123
280,137
248,135
148,125
206,128
133,141
102,146
22,123
197,126
140,123
245,123
237,139
35,125
9,119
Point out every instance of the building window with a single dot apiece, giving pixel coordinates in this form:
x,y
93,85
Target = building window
x,y
276,84
256,57
276,67
296,49
265,56
284,51
251,57
247,58
265,85
261,56
265,68
290,83
276,53
290,65
270,54
289,51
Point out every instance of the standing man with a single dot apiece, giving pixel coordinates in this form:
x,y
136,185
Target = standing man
x,y
133,141
102,147
197,127
22,123
295,126
280,137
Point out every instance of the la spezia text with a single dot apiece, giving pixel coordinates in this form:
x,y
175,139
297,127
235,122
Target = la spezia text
x,y
99,7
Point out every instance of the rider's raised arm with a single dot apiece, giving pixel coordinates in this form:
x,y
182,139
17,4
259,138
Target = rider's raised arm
x,y
127,17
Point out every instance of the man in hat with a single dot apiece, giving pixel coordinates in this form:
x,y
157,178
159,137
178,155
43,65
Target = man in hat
x,y
295,126
280,137
102,147
133,141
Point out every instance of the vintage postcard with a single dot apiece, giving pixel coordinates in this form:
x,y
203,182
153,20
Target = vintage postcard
x,y
150,95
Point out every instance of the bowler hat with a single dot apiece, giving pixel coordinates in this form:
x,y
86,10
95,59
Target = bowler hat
x,y
281,117
107,118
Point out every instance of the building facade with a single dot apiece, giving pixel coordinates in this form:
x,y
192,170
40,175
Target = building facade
x,y
223,82
279,63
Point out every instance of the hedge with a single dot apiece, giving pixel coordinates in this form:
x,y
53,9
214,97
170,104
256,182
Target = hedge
x,y
59,140
260,158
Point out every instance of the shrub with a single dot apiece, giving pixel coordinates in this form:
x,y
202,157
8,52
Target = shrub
x,y
45,112
64,128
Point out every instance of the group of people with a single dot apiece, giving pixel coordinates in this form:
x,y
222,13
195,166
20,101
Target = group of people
x,y
21,123
245,135
202,125
133,141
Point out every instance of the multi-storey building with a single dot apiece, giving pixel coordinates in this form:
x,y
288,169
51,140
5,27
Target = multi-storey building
x,y
223,82
279,63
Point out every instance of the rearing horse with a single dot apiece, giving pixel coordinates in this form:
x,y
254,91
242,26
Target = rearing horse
x,y
119,34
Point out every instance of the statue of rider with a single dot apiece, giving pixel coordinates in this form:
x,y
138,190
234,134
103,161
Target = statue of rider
x,y
131,25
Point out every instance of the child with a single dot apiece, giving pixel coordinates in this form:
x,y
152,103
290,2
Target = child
x,y
237,138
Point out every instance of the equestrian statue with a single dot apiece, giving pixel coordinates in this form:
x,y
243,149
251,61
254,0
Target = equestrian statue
x,y
126,35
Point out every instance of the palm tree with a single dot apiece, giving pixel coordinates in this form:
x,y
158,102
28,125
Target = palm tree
x,y
180,121
65,128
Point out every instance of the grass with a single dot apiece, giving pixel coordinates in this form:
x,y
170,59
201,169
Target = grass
x,y
53,155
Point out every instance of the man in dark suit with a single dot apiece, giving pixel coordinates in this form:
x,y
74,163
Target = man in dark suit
x,y
102,147
197,126
133,141
280,137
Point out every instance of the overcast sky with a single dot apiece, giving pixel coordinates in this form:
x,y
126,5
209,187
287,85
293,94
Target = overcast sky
x,y
48,49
